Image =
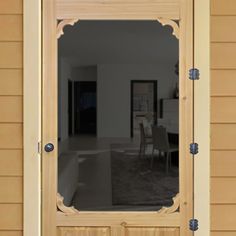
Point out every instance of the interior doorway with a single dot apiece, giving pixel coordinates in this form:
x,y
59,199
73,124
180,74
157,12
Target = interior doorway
x,y
143,104
85,105
70,108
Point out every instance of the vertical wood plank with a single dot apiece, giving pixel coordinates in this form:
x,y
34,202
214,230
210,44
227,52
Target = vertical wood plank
x,y
32,117
49,118
202,115
186,114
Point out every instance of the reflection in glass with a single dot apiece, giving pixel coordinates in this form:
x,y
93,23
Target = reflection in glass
x,y
118,116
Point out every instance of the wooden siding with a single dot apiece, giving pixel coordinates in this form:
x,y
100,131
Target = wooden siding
x,y
223,117
11,135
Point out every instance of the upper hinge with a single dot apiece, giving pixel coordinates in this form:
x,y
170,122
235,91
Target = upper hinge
x,y
193,225
194,148
194,74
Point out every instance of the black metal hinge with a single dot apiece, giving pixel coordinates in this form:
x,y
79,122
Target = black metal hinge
x,y
193,225
194,74
194,148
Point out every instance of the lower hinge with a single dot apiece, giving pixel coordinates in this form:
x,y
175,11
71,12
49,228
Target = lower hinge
x,y
193,224
194,74
194,148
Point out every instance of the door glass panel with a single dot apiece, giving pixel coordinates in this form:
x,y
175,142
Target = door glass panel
x,y
118,116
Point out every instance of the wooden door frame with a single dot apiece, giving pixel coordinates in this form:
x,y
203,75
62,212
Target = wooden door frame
x,y
32,108
184,32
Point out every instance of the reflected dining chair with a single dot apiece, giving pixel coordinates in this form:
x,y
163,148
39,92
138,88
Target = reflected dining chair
x,y
145,140
161,143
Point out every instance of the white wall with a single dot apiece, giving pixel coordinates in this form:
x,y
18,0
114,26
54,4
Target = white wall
x,y
85,73
113,93
64,73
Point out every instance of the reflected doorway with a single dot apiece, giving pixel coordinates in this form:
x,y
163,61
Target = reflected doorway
x,y
143,105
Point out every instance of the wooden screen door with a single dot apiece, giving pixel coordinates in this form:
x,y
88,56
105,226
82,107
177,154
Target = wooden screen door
x,y
57,219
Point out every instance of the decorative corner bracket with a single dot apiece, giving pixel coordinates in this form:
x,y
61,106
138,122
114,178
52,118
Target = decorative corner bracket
x,y
62,24
64,209
170,23
173,208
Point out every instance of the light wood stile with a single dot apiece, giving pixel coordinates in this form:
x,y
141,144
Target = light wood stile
x,y
32,117
49,118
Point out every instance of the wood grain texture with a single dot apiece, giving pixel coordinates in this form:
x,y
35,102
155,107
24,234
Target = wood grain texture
x,y
49,118
11,109
13,217
11,28
222,109
11,162
223,29
186,115
11,190
223,217
83,231
11,136
223,82
223,7
223,163
11,7
11,55
223,136
113,9
223,55
11,233
11,82
223,233
152,232
99,219
221,190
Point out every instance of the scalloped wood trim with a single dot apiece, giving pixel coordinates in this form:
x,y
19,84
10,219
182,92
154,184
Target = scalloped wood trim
x,y
163,21
172,24
62,24
173,208
71,210
64,209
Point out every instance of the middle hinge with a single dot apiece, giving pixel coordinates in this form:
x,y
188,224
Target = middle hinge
x,y
194,148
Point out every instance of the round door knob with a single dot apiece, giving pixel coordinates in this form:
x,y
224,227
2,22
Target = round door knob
x,y
49,147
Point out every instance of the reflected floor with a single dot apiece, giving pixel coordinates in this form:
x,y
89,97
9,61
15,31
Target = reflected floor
x,y
112,177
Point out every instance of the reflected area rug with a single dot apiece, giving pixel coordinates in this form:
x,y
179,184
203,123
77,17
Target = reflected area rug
x,y
134,183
